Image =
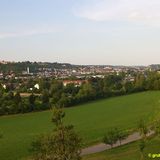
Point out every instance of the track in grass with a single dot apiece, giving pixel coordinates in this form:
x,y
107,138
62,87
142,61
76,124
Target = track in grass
x,y
91,120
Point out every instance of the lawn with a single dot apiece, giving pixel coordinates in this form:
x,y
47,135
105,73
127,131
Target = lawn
x,y
128,152
91,121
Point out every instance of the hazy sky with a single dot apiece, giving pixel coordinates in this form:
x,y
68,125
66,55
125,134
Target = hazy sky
x,y
81,31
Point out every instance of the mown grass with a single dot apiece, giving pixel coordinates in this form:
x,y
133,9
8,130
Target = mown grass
x,y
128,152
91,121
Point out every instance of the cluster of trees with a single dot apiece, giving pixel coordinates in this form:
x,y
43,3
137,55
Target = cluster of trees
x,y
143,129
115,135
96,88
11,103
146,131
65,144
53,92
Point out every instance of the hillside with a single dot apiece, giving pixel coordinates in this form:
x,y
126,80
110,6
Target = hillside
x,y
91,120
128,152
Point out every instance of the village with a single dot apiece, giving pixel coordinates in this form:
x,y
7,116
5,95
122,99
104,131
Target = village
x,y
78,71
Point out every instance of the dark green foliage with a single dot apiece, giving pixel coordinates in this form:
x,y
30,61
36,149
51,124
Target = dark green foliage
x,y
17,98
142,145
58,115
53,92
70,89
45,96
143,128
64,101
32,99
91,120
113,135
62,144
156,127
121,135
44,84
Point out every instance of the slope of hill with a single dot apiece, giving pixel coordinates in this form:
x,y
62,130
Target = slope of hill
x,y
91,120
129,152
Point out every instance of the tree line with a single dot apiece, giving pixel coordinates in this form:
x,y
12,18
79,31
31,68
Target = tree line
x,y
53,92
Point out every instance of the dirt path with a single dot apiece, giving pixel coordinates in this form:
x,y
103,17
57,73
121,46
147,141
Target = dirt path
x,y
102,147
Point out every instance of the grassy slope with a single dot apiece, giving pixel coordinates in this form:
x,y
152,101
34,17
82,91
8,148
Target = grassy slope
x,y
91,121
128,152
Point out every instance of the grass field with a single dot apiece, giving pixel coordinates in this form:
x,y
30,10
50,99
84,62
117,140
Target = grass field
x,y
91,120
128,152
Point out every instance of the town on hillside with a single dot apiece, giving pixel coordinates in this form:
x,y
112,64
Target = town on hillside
x,y
26,70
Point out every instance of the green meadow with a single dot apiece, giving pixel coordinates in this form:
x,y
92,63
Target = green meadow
x,y
91,120
129,152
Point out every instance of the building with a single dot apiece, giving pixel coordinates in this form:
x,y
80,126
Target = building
x,y
75,82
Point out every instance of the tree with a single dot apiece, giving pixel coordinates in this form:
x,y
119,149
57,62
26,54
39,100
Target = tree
x,y
156,85
44,84
156,127
121,135
10,96
87,92
56,86
56,91
129,87
64,101
62,144
143,129
112,82
141,148
140,82
111,137
71,89
45,97
32,99
17,98
114,135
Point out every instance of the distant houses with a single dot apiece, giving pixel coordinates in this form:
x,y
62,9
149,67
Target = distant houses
x,y
75,82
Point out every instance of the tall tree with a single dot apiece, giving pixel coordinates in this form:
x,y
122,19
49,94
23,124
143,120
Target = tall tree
x,y
111,137
62,144
141,148
143,129
32,99
142,126
45,96
17,98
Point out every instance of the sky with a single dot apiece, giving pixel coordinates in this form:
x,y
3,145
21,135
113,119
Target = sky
x,y
111,32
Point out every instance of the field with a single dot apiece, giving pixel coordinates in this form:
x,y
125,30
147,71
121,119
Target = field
x,y
91,120
128,152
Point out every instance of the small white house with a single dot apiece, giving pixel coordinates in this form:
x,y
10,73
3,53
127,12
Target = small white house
x,y
4,86
36,86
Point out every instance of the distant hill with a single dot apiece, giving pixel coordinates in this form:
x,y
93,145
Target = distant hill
x,y
18,67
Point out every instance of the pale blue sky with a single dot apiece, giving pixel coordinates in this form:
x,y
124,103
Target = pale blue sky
x,y
118,32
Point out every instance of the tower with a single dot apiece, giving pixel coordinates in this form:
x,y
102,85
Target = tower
x,y
27,70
